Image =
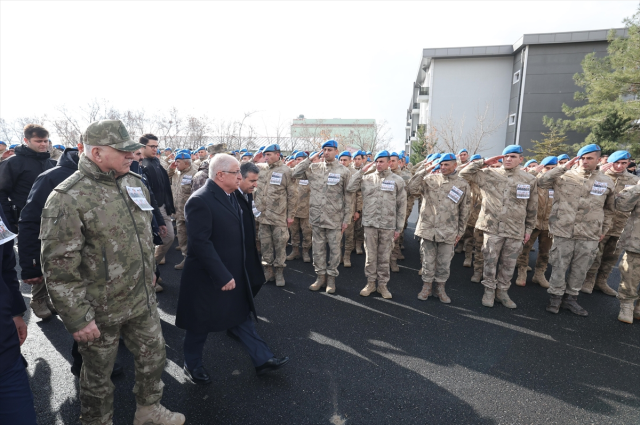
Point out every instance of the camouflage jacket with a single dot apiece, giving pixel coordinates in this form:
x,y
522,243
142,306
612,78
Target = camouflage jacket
x,y
304,194
97,249
200,178
165,163
627,202
446,204
545,202
583,202
620,181
181,186
508,207
358,195
476,204
330,205
384,198
276,195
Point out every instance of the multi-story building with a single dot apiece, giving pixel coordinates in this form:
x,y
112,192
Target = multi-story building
x,y
512,86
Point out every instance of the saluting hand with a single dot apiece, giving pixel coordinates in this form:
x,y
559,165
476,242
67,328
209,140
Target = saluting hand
x,y
571,163
606,166
366,167
493,160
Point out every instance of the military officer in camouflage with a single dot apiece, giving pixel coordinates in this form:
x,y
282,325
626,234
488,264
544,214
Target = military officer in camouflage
x,y
608,251
394,167
359,161
507,217
349,235
446,204
301,219
384,198
581,215
181,172
98,264
463,156
276,198
330,211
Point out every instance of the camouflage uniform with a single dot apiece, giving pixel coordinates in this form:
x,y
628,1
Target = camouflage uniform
x,y
472,239
330,206
627,201
55,154
98,264
301,219
355,238
508,213
200,177
384,205
349,233
608,251
182,188
395,251
582,210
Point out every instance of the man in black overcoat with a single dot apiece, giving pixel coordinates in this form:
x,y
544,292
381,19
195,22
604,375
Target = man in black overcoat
x,y
215,289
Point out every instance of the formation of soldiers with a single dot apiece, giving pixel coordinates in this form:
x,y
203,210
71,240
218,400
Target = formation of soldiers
x,y
492,209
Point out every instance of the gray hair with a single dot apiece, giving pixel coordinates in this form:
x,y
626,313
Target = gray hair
x,y
220,163
248,167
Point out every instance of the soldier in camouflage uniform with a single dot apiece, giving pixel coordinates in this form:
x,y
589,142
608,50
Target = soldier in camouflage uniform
x,y
275,198
583,207
181,173
349,235
507,217
394,167
358,231
330,211
201,176
608,251
446,203
301,219
98,264
467,244
384,199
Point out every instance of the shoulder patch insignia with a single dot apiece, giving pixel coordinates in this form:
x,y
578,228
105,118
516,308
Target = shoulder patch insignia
x,y
69,182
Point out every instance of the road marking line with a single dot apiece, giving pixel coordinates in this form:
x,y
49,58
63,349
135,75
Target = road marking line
x,y
411,308
348,301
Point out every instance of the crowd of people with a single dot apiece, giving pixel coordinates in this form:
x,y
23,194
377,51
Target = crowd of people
x,y
94,222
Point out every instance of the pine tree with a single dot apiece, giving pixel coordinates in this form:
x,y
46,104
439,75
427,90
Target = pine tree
x,y
424,145
552,144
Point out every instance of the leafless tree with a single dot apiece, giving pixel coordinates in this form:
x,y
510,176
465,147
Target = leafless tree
x,y
453,137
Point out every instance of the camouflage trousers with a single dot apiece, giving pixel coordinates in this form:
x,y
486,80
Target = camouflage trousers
x,y
273,241
358,232
167,241
570,253
478,257
545,241
39,291
377,246
349,237
500,256
321,238
395,248
295,228
605,260
258,237
181,230
467,240
436,260
411,200
143,337
630,276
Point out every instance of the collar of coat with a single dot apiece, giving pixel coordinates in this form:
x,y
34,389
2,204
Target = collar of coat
x,y
275,164
581,171
384,173
91,170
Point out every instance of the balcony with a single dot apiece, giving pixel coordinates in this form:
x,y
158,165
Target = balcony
x,y
416,109
408,127
423,95
413,136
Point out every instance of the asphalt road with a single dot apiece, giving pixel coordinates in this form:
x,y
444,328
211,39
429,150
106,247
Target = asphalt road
x,y
357,360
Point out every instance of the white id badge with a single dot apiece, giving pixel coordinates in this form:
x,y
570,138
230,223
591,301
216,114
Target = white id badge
x,y
5,234
256,213
303,182
276,178
551,193
333,179
598,188
186,180
388,185
455,194
523,191
137,196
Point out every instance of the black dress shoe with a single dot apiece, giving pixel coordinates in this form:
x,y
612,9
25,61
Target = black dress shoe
x,y
117,369
272,364
198,375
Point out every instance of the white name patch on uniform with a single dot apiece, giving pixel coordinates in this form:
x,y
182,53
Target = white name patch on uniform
x,y
276,178
388,185
551,193
455,194
333,179
186,180
303,182
256,213
523,191
598,188
137,196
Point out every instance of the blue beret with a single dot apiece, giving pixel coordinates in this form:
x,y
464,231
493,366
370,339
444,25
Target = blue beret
x,y
246,154
58,147
313,153
330,144
183,155
3,143
272,148
529,162
512,149
500,160
356,153
368,153
563,157
243,150
344,153
300,155
394,154
619,156
436,155
209,144
447,157
437,167
168,149
462,150
588,149
381,154
474,157
368,159
550,160
201,148
158,151
13,146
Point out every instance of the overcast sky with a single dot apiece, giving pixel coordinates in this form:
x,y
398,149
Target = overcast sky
x,y
323,60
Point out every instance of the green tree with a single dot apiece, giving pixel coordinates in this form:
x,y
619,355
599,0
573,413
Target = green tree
x,y
424,145
552,144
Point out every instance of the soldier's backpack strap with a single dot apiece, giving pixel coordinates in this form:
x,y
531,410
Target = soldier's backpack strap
x,y
69,182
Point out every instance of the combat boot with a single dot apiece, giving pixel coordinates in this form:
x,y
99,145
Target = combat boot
x,y
359,250
589,283
503,297
40,308
382,290
459,248
180,266
393,265
158,288
420,271
539,278
50,306
440,293
319,283
177,248
570,302
157,414
477,276
295,254
369,289
521,280
426,291
601,284
468,259
347,259
636,311
305,255
268,274
488,297
554,304
400,256
331,284
626,311
162,262
279,276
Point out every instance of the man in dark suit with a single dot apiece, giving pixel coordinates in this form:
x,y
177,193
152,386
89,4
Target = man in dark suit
x,y
215,289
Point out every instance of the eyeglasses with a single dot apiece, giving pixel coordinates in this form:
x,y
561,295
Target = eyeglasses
x,y
152,146
231,172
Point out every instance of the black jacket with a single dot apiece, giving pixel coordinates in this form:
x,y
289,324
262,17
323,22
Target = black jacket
x,y
17,174
160,183
137,168
11,305
216,253
253,262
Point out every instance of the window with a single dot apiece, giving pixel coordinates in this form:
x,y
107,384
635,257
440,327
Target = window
x,y
516,77
512,119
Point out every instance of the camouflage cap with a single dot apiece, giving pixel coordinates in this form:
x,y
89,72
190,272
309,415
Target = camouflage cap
x,y
110,133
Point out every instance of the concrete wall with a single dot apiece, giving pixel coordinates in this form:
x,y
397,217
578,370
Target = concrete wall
x,y
464,86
